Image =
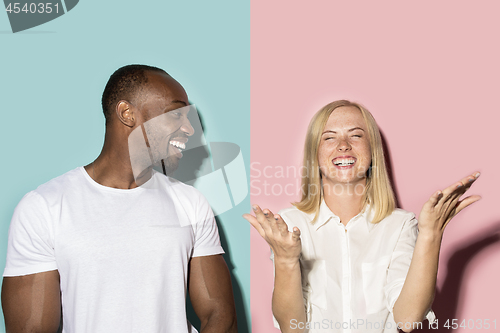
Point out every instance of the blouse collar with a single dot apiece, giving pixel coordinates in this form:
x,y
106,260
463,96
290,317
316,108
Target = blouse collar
x,y
326,215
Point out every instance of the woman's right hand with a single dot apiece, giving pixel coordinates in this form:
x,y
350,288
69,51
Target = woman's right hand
x,y
286,245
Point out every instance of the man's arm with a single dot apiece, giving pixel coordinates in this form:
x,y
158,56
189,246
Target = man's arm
x,y
32,303
211,294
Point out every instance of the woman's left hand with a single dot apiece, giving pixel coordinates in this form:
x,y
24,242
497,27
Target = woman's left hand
x,y
442,206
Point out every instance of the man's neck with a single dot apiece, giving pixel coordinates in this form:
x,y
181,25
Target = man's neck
x,y
112,167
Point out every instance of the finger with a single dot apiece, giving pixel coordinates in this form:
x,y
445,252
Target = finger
x,y
281,224
461,205
449,205
466,182
255,223
450,201
434,199
467,202
271,220
261,217
296,234
452,194
469,180
461,188
269,215
258,211
445,196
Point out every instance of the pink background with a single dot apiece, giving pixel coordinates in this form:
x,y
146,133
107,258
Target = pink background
x,y
429,72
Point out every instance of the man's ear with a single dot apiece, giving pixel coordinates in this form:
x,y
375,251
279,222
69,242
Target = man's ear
x,y
125,112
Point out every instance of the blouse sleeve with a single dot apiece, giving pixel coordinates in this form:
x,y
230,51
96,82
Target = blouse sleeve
x,y
400,264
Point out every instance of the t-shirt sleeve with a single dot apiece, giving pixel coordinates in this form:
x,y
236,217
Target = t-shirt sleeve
x,y
400,264
30,246
207,241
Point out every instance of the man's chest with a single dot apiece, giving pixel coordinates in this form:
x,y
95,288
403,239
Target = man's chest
x,y
99,236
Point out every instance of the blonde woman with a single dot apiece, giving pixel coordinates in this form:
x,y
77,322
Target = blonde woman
x,y
345,259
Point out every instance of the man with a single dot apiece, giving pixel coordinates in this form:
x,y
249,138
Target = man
x,y
118,257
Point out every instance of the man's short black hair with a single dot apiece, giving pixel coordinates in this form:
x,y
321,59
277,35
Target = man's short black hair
x,y
124,84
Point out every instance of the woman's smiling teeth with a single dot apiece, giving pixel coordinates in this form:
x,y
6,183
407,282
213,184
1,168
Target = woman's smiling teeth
x,y
344,161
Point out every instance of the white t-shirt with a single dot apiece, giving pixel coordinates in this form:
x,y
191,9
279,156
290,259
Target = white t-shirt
x,y
352,275
122,255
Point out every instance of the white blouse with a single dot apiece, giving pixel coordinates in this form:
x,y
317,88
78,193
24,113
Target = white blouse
x,y
352,275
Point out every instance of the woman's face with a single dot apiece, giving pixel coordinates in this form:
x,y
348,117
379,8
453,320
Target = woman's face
x,y
344,153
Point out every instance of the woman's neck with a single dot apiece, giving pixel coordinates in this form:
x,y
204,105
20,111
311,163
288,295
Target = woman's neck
x,y
345,199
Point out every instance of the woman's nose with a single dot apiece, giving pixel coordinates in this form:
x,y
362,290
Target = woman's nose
x,y
344,145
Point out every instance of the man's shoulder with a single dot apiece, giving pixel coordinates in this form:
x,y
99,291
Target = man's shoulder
x,y
60,184
48,194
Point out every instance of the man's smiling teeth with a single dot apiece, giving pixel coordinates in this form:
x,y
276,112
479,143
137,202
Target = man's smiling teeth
x,y
179,145
344,162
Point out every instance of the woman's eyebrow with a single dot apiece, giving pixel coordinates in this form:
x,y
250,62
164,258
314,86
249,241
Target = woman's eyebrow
x,y
355,128
349,130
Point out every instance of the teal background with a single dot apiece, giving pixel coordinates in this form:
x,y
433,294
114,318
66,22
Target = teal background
x,y
52,78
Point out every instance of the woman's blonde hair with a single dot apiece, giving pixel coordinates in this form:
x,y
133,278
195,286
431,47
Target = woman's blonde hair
x,y
378,191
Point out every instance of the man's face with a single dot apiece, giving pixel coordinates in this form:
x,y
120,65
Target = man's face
x,y
163,112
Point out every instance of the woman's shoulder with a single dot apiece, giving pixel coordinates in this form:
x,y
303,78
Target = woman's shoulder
x,y
399,218
402,214
295,217
293,211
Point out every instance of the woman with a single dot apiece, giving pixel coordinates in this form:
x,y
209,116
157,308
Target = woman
x,y
345,259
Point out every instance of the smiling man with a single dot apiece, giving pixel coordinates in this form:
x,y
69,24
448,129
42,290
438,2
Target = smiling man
x,y
115,256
